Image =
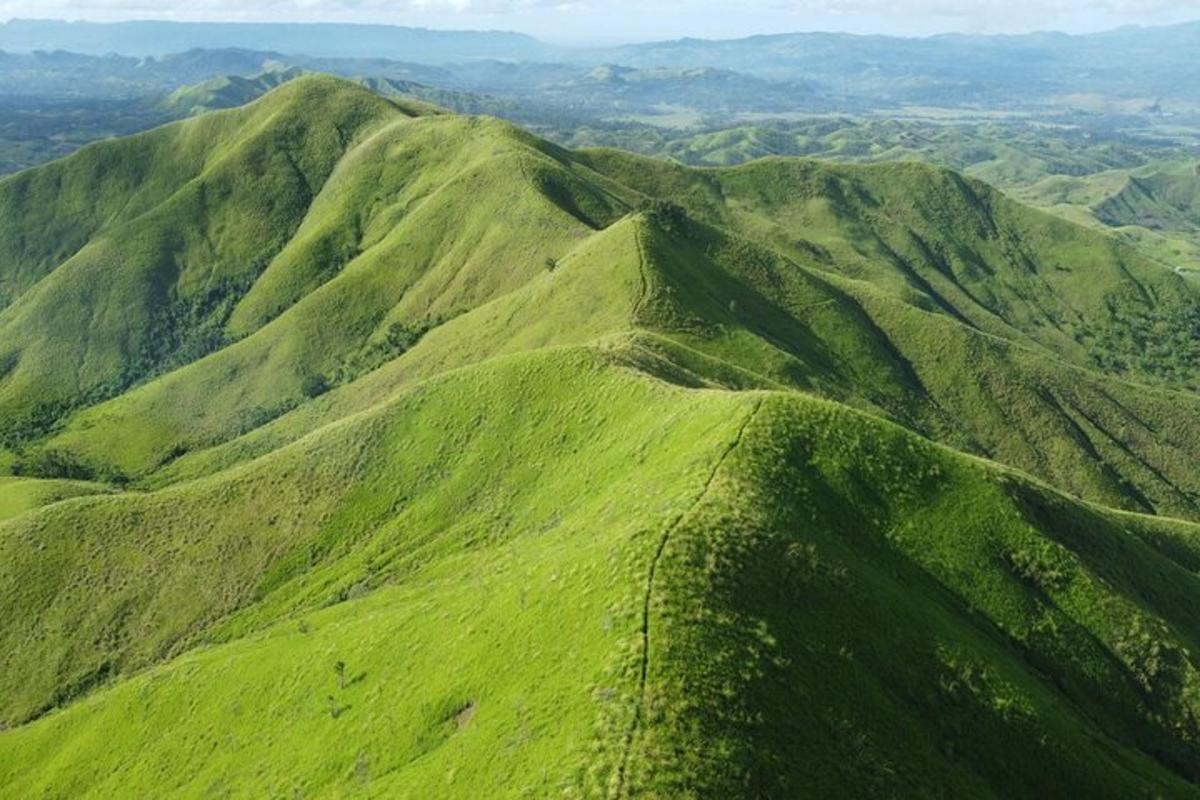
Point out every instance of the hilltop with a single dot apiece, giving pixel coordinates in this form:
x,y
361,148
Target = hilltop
x,y
356,447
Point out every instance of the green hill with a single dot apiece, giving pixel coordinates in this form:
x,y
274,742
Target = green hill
x,y
1154,207
359,450
227,91
1162,201
230,91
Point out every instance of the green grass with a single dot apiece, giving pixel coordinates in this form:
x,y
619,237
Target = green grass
x,y
406,509
192,213
1152,207
597,475
424,565
1007,153
1162,200
894,565
1138,188
18,495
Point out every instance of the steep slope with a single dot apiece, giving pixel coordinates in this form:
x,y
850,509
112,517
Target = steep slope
x,y
953,245
917,602
218,549
67,346
732,315
1122,444
389,251
1162,201
789,325
515,471
128,256
591,295
966,618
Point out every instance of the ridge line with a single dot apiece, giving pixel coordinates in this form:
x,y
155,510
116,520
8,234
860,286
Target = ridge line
x,y
635,723
643,296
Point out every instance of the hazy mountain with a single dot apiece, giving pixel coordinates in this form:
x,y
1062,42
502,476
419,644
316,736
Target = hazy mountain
x,y
1132,65
152,38
63,74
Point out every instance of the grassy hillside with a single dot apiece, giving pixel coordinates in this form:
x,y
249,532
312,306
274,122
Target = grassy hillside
x,y
1161,201
1152,207
23,494
228,91
1005,153
943,583
127,257
466,465
948,244
1129,183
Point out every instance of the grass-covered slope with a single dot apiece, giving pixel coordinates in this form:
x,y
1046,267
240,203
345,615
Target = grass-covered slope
x,y
227,91
130,255
1123,444
851,611
952,245
807,600
18,495
1162,201
512,471
420,221
516,488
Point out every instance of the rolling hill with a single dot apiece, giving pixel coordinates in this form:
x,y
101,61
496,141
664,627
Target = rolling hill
x,y
1161,201
356,448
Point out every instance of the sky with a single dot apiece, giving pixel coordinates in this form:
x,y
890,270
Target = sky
x,y
608,21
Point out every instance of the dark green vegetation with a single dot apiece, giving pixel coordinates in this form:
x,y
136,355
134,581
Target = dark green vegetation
x,y
356,448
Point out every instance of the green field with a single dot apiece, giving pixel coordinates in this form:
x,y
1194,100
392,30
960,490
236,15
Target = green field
x,y
356,449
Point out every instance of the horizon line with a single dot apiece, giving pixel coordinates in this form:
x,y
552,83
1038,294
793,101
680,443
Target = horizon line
x,y
579,44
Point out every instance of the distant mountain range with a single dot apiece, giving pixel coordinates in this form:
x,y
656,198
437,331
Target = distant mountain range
x,y
567,88
1129,65
153,38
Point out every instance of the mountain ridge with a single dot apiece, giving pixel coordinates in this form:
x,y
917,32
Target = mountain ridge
x,y
520,470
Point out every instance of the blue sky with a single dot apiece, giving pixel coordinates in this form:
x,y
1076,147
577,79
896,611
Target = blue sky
x,y
633,20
